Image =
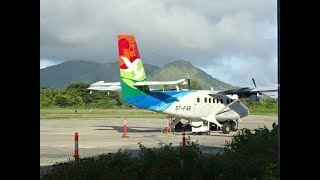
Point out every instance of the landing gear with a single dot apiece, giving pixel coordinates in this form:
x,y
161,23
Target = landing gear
x,y
226,128
214,127
178,127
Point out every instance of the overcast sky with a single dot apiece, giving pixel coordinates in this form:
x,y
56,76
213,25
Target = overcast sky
x,y
231,40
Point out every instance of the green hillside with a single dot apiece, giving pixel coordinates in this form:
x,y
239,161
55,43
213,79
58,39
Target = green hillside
x,y
61,75
182,69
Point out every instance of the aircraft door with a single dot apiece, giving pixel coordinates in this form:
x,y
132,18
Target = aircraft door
x,y
197,106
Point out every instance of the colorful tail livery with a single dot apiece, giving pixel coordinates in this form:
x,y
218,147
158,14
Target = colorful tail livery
x,y
134,84
131,67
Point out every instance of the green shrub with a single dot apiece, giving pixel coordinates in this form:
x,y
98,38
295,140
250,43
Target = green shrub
x,y
253,152
249,155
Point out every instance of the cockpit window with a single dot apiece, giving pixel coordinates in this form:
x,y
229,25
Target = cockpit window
x,y
221,101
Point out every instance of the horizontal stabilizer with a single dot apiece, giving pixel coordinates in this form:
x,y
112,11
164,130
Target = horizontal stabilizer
x,y
155,83
105,88
112,88
102,83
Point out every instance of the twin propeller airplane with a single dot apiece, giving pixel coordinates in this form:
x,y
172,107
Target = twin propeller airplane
x,y
204,110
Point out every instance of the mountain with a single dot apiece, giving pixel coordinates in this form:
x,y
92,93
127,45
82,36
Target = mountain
x,y
60,75
182,69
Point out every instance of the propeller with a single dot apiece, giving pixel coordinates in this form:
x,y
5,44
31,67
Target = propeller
x,y
254,83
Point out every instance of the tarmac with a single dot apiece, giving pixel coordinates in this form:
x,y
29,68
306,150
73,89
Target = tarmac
x,y
102,136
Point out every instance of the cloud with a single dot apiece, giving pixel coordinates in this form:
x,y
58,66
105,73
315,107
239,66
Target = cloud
x,y
207,33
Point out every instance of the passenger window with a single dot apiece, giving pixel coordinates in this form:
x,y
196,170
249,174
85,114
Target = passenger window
x,y
221,101
227,101
213,100
205,100
209,100
198,100
217,100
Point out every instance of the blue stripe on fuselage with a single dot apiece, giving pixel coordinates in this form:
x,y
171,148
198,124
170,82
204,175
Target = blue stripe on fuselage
x,y
156,101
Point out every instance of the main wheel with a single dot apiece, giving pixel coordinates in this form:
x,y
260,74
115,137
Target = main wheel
x,y
234,125
226,128
213,127
178,127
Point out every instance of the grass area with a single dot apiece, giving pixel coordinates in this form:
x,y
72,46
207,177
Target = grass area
x,y
264,110
264,113
69,113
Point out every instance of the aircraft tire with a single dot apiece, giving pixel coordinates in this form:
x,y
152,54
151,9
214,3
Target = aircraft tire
x,y
234,126
208,133
178,127
214,127
226,128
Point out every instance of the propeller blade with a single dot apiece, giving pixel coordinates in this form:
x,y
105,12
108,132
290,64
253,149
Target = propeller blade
x,y
254,82
189,82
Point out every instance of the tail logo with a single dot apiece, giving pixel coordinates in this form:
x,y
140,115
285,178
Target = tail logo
x,y
133,67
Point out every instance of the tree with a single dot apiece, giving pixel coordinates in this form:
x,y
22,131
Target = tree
x,y
79,89
63,100
45,101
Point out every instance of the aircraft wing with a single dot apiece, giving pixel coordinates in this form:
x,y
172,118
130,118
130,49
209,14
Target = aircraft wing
x,y
154,83
246,92
216,94
263,90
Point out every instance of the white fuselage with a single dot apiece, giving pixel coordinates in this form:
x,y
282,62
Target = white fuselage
x,y
199,104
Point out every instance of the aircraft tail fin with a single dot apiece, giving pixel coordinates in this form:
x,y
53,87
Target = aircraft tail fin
x,y
131,67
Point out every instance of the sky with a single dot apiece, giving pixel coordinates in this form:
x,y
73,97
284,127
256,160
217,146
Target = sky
x,y
231,40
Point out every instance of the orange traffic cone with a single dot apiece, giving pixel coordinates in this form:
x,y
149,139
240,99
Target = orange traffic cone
x,y
125,128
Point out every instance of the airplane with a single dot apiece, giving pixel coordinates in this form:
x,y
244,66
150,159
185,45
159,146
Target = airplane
x,y
204,110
